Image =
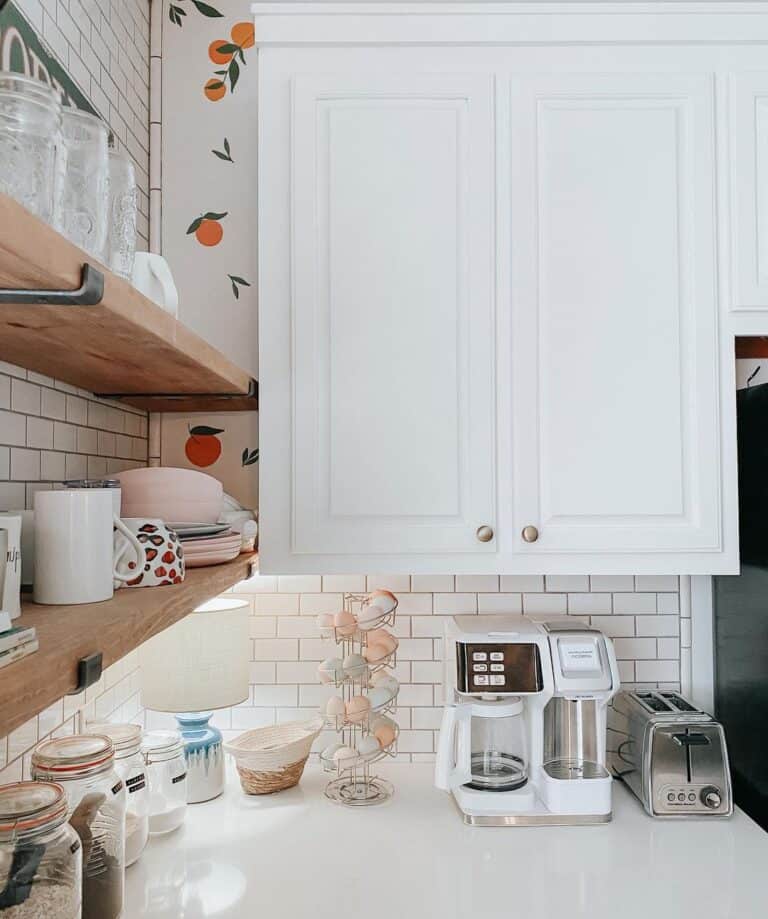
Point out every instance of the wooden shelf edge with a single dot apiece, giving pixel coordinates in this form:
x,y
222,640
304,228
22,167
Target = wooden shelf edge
x,y
114,628
126,344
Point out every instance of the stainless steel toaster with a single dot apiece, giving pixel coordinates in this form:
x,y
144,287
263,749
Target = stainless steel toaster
x,y
671,754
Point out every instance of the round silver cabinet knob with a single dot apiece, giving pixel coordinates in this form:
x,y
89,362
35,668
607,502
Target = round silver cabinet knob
x,y
530,534
711,798
484,533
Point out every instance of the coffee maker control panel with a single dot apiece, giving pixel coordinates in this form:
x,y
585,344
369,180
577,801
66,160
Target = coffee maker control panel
x,y
498,668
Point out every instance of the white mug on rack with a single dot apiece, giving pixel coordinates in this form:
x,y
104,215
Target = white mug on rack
x,y
74,561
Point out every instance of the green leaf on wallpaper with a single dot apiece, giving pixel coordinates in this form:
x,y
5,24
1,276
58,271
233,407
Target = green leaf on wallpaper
x,y
249,457
194,225
234,74
211,215
226,155
235,281
227,48
207,10
203,430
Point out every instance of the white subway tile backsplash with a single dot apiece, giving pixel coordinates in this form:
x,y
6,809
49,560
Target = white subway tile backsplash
x,y
5,462
561,583
478,583
455,604
25,397
432,583
634,603
521,583
13,429
545,603
500,603
657,582
657,671
589,603
657,625
635,648
611,582
668,603
5,392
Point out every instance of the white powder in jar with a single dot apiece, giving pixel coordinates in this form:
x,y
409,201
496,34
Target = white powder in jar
x,y
136,835
167,820
46,901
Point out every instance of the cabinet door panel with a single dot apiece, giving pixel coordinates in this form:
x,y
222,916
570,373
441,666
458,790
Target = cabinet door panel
x,y
748,124
615,340
393,314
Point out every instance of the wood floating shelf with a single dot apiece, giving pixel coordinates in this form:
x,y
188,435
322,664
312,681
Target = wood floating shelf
x,y
122,346
114,628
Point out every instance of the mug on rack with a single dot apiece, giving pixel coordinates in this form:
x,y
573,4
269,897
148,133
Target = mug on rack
x,y
164,557
74,560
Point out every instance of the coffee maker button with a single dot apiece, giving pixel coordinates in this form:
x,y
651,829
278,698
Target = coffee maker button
x,y
671,796
497,655
479,668
497,668
497,680
479,656
481,680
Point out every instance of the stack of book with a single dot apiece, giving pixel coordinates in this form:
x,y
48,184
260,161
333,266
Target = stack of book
x,y
15,642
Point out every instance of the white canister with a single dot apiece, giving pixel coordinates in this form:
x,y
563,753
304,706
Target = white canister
x,y
10,596
74,546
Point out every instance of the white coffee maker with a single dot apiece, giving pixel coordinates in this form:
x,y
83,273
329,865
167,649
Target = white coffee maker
x,y
523,737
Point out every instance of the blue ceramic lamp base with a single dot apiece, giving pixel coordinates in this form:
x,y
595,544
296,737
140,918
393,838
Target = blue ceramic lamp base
x,y
204,754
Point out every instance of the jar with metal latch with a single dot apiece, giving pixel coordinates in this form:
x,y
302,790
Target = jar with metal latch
x,y
167,777
85,766
40,853
130,766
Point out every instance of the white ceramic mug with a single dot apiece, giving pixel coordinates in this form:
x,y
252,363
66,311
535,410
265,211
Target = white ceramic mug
x,y
10,595
152,276
74,546
164,557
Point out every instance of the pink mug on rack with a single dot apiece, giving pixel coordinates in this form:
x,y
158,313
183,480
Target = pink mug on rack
x,y
163,561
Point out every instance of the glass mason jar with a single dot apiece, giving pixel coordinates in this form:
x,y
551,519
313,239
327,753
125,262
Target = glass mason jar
x,y
30,142
130,766
167,775
85,766
121,219
82,205
40,853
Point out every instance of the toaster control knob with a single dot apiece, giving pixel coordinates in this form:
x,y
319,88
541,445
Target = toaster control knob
x,y
711,797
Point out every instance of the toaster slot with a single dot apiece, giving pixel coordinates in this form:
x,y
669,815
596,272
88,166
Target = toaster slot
x,y
679,703
653,702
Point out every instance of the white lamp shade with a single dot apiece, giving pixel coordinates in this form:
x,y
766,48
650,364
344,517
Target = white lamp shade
x,y
199,663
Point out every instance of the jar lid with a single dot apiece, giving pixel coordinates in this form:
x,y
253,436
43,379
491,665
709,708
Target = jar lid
x,y
160,745
65,757
29,806
126,738
21,84
91,483
76,115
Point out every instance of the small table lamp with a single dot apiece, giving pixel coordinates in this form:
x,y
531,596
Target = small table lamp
x,y
198,664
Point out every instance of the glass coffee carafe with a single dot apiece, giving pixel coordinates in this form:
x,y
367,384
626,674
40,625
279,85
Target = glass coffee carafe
x,y
498,759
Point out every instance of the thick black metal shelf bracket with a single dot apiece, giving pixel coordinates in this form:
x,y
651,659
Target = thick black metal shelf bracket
x,y
253,393
89,293
88,672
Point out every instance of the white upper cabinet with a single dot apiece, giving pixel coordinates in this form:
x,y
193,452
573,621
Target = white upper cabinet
x,y
748,134
493,271
615,327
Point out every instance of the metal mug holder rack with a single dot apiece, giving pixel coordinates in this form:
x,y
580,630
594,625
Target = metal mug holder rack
x,y
356,784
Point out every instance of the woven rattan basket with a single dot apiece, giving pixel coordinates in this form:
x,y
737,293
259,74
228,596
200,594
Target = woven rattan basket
x,y
271,759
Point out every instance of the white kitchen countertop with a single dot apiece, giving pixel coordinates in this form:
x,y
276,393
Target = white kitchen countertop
x,y
296,854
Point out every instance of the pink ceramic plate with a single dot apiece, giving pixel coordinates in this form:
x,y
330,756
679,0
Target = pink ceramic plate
x,y
211,558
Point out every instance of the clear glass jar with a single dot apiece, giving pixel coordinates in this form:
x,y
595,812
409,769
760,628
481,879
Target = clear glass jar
x,y
130,766
30,142
40,853
82,205
121,230
167,775
85,766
